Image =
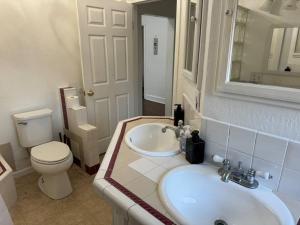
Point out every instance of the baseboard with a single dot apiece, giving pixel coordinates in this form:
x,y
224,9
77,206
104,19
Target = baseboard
x,y
154,98
91,170
76,161
23,172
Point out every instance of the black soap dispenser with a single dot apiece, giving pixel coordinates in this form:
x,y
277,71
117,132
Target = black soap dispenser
x,y
195,148
178,114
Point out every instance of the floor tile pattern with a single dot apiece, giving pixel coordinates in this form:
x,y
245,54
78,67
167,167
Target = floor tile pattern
x,y
82,207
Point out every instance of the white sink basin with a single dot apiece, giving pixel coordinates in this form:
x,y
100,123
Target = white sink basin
x,y
195,195
148,139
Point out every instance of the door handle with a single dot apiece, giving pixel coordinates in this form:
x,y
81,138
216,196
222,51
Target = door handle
x,y
90,93
193,19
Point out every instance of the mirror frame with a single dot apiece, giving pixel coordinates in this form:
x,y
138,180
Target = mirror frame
x,y
192,75
289,97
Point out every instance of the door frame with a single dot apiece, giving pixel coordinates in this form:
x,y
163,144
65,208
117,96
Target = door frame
x,y
138,69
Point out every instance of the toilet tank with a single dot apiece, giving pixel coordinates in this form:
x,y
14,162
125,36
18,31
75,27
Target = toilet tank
x,y
34,127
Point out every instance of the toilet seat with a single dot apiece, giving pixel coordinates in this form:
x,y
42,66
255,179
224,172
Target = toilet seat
x,y
50,153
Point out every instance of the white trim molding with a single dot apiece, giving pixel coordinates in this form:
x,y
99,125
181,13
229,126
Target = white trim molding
x,y
23,172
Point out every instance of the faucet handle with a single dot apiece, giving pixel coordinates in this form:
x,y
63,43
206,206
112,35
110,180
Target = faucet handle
x,y
218,159
240,165
264,175
251,175
226,164
180,123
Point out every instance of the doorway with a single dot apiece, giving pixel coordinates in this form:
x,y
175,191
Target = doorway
x,y
156,40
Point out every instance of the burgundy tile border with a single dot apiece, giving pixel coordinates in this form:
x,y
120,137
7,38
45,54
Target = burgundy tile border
x,y
124,190
3,168
64,110
92,170
63,106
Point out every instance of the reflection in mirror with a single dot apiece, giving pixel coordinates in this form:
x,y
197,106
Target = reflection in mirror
x,y
297,48
266,47
191,19
283,54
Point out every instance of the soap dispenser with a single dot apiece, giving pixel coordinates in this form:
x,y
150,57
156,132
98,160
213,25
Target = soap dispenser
x,y
178,114
194,152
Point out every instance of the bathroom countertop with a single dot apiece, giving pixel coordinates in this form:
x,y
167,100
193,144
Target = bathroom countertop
x,y
130,180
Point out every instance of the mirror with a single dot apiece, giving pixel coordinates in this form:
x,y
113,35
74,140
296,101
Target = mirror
x,y
266,46
193,25
190,33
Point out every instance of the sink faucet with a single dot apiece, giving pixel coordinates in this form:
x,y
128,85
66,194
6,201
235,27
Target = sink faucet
x,y
225,176
225,171
238,175
177,129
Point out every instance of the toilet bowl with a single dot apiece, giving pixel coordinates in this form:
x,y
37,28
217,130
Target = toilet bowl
x,y
52,160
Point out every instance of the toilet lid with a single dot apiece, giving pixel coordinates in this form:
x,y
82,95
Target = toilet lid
x,y
50,152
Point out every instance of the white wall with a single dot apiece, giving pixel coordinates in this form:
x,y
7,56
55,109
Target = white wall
x,y
272,119
158,69
39,53
165,8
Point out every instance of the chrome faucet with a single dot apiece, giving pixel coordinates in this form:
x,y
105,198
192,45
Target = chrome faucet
x,y
177,129
225,171
225,176
240,176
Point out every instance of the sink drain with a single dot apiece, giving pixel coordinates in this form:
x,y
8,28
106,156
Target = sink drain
x,y
220,222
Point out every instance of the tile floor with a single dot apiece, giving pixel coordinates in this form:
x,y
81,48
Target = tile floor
x,y
82,207
153,108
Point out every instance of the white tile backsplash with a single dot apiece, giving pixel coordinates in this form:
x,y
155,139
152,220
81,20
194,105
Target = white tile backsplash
x,y
272,168
270,148
203,129
217,132
236,156
242,139
290,183
263,152
292,159
212,148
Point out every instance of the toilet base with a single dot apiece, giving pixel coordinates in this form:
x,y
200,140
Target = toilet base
x,y
55,186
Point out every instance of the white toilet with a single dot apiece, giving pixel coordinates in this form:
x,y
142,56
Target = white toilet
x,y
50,158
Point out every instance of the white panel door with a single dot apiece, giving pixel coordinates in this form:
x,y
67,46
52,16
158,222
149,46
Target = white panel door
x,y
107,60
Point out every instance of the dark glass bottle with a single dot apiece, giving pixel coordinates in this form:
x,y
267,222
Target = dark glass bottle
x,y
195,148
178,114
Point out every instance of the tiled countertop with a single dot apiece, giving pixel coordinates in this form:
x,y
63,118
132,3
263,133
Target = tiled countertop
x,y
130,180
